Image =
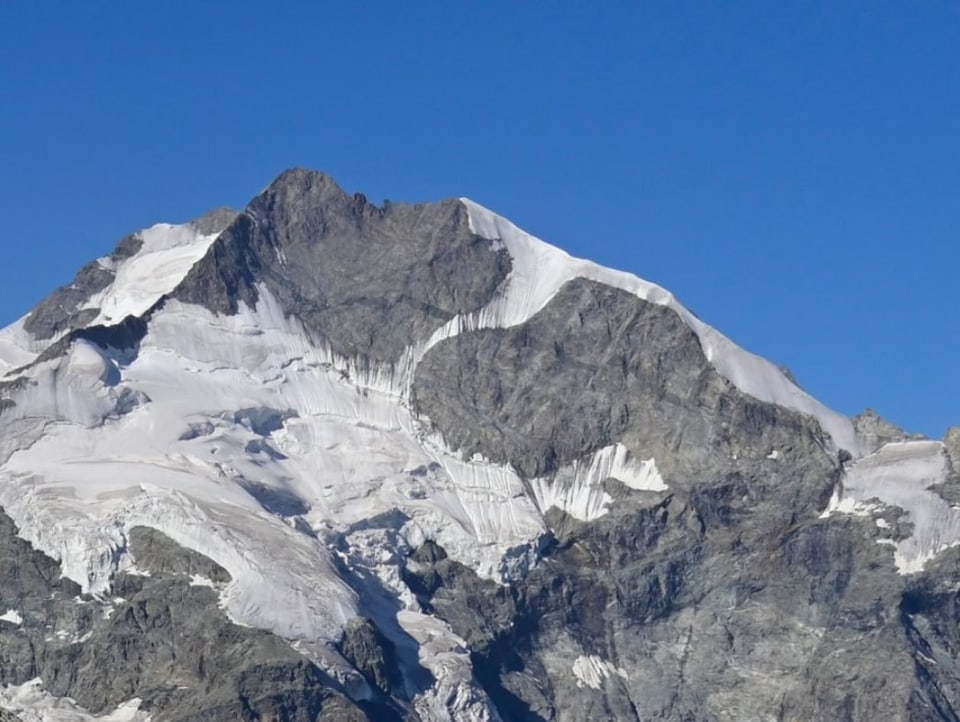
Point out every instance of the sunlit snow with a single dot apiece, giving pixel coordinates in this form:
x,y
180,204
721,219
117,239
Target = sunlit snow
x,y
592,670
167,253
31,703
900,474
12,616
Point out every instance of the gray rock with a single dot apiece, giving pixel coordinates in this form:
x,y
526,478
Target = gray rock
x,y
158,554
62,311
875,431
367,280
263,421
373,654
164,641
597,366
951,440
805,621
214,221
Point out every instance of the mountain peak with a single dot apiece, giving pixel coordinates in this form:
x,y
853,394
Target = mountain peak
x,y
411,461
300,177
369,281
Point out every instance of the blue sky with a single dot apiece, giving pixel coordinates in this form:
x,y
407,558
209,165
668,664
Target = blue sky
x,y
790,170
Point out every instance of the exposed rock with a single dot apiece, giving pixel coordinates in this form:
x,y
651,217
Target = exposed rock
x,y
368,280
597,366
263,421
165,641
123,336
951,441
875,431
156,553
373,654
64,310
214,221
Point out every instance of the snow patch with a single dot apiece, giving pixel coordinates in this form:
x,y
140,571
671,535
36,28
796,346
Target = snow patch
x,y
12,616
31,703
593,670
577,488
900,474
166,255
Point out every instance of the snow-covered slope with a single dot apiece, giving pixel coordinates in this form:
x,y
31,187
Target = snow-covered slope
x,y
166,254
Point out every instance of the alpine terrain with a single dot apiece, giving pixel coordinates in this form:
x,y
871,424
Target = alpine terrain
x,y
327,460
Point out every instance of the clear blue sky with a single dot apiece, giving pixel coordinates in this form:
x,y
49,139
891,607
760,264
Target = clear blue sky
x,y
790,170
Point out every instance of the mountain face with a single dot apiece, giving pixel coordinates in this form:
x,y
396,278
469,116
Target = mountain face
x,y
327,460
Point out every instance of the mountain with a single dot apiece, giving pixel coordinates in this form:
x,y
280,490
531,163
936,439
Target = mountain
x,y
327,460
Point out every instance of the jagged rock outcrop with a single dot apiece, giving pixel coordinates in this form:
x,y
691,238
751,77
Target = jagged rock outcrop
x,y
875,431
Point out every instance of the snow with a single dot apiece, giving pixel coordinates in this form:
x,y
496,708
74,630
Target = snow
x,y
540,270
31,703
17,347
12,616
166,255
592,670
456,694
577,488
899,474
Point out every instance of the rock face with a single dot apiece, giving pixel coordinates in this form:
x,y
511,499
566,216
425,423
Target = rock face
x,y
877,431
598,366
160,638
352,462
68,307
369,281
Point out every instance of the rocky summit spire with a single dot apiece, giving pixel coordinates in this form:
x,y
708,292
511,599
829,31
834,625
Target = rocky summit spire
x,y
368,280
